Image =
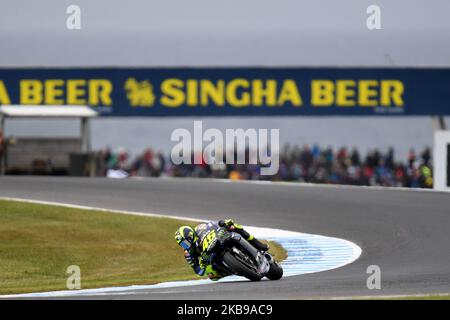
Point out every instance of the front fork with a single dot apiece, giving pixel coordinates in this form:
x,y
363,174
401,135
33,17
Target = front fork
x,y
251,250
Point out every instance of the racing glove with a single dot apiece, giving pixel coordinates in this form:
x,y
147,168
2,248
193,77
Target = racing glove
x,y
199,269
231,225
212,274
189,258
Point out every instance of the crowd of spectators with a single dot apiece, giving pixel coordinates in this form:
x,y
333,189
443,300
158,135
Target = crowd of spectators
x,y
304,164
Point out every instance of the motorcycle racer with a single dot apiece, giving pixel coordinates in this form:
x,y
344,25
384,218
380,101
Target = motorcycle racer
x,y
192,241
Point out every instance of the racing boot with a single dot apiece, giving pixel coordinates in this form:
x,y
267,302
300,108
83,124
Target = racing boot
x,y
258,244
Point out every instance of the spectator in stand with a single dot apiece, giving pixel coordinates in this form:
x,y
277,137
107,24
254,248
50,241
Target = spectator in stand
x,y
304,164
390,158
426,156
411,157
355,157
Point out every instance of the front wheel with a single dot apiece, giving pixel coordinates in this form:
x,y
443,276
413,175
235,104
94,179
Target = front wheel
x,y
275,272
240,267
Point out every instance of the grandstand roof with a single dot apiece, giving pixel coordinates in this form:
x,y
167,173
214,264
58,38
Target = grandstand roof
x,y
47,111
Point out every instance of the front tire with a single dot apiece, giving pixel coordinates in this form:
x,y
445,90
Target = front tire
x,y
240,268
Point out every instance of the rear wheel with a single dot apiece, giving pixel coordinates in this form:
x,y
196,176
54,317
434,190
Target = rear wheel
x,y
275,272
240,267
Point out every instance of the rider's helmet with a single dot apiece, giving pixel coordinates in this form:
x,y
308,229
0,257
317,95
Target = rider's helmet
x,y
185,236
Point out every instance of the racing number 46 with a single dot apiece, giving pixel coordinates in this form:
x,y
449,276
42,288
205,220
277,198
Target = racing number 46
x,y
208,239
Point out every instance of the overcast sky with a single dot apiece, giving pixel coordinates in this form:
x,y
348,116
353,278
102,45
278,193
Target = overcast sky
x,y
231,33
218,33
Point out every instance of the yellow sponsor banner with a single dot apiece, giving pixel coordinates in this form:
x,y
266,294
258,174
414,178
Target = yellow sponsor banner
x,y
93,92
233,91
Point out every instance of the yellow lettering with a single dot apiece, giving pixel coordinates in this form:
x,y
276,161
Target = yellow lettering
x,y
259,93
4,97
289,92
54,92
392,93
31,92
231,93
76,92
367,94
322,93
173,95
100,92
213,92
192,92
345,92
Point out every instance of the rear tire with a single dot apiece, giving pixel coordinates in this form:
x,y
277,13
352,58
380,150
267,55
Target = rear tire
x,y
240,268
275,272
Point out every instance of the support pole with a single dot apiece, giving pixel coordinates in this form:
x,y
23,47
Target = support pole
x,y
441,161
85,136
442,123
86,145
438,123
2,146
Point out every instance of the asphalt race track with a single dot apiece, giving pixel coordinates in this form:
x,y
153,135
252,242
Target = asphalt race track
x,y
406,233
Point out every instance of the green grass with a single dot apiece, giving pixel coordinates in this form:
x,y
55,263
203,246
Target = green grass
x,y
38,243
